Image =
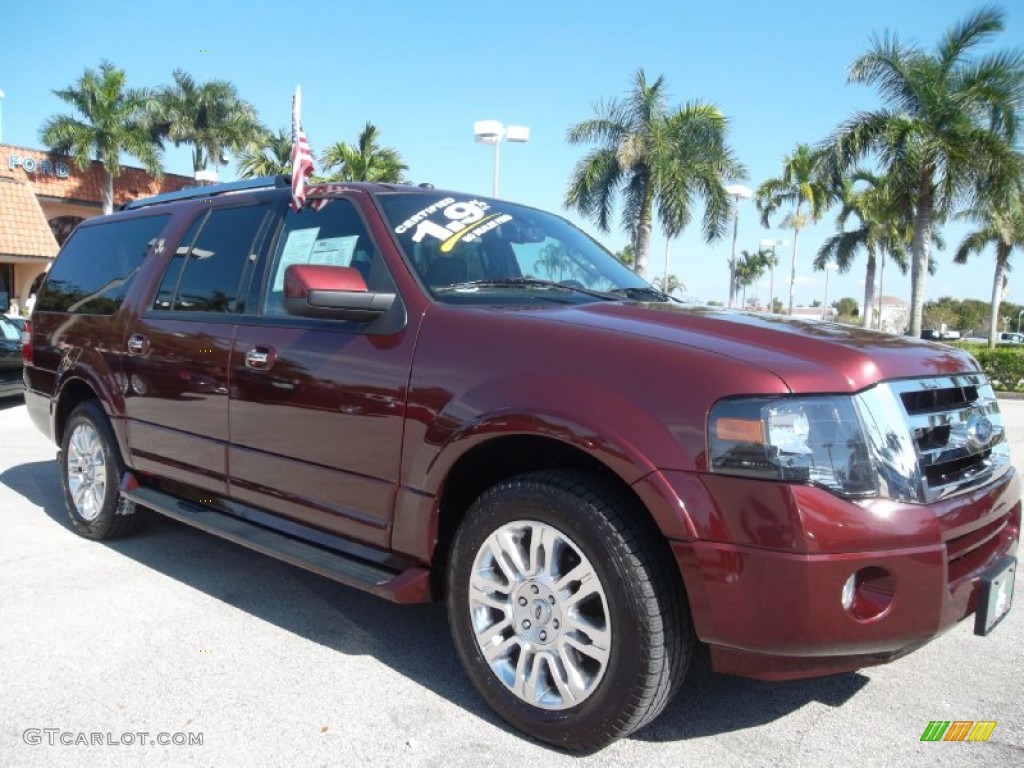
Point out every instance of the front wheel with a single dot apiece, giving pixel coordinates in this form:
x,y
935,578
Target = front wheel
x,y
564,610
90,473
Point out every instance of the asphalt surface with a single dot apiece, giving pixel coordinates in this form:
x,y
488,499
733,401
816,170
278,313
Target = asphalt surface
x,y
177,632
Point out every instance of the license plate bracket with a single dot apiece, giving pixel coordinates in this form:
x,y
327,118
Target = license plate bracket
x,y
995,595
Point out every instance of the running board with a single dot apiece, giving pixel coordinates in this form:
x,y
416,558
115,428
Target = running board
x,y
409,586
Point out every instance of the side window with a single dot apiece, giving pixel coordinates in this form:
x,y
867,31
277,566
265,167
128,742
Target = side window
x,y
172,273
213,261
334,235
95,267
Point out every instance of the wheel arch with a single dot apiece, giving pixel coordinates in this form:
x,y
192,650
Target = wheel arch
x,y
73,392
498,458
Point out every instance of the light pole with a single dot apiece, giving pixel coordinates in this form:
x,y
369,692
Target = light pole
x,y
493,132
737,192
2,115
771,281
824,306
1018,319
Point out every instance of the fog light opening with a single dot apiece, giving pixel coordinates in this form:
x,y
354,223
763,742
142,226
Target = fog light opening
x,y
868,593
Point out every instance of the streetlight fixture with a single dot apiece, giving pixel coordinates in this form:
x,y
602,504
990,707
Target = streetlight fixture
x,y
493,132
771,283
737,192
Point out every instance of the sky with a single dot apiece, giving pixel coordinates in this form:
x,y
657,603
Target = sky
x,y
424,72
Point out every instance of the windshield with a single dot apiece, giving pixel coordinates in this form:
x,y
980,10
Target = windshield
x,y
8,330
476,250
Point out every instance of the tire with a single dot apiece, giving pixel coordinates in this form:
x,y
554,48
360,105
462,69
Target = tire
x,y
90,474
584,630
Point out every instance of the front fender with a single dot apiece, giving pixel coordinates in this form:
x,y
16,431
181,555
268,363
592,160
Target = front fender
x,y
613,429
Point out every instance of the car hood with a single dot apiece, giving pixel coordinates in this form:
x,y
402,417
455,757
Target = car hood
x,y
808,355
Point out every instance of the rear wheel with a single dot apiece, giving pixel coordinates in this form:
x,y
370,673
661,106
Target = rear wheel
x,y
90,471
564,610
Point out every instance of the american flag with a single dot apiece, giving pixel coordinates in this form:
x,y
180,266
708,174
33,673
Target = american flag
x,y
302,167
302,158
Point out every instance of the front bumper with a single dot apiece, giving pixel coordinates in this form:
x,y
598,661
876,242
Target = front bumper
x,y
777,613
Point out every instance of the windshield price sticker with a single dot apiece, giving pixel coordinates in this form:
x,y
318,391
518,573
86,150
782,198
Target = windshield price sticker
x,y
465,221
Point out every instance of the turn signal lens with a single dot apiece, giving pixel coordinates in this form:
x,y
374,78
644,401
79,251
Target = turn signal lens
x,y
744,430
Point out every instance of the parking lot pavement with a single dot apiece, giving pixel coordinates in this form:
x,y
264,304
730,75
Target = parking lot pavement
x,y
174,633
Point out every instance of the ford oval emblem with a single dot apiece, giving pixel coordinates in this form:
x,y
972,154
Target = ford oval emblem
x,y
979,430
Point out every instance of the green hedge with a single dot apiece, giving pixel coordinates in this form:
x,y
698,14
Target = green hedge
x,y
1003,365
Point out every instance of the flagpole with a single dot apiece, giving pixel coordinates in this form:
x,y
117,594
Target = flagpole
x,y
296,113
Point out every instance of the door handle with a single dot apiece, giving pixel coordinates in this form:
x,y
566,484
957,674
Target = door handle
x,y
138,344
260,358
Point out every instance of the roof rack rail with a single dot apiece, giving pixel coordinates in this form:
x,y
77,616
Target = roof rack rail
x,y
191,193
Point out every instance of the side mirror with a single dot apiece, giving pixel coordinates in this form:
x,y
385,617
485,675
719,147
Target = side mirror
x,y
318,290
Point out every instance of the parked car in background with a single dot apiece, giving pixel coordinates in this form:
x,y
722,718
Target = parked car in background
x,y
1004,338
931,334
10,356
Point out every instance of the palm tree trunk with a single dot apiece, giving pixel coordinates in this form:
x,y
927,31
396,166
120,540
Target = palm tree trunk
x,y
108,192
881,291
643,231
869,290
1002,253
792,266
732,259
920,251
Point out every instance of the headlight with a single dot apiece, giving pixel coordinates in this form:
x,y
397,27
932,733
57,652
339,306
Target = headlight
x,y
814,440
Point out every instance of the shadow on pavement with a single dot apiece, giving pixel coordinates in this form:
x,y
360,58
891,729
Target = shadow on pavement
x,y
14,401
413,640
711,704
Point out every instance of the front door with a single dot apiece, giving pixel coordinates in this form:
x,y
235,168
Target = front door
x,y
317,406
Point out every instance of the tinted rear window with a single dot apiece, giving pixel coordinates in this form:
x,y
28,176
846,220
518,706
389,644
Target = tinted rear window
x,y
95,268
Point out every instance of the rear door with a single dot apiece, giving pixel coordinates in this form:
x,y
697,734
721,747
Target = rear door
x,y
177,361
317,406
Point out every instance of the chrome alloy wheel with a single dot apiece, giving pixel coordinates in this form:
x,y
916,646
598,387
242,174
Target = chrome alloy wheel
x,y
540,614
87,471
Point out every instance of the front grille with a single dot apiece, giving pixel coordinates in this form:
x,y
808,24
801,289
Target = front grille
x,y
957,432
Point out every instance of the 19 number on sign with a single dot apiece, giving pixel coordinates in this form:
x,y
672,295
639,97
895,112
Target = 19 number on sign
x,y
461,215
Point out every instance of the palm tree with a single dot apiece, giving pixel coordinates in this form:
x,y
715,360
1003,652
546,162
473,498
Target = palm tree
x,y
654,158
948,120
626,255
801,184
552,260
111,121
209,116
749,269
270,157
669,284
885,229
366,161
1001,223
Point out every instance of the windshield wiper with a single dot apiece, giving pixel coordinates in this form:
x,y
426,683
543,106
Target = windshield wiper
x,y
642,294
527,282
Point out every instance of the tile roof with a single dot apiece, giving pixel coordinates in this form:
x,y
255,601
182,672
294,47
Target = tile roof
x,y
24,230
54,175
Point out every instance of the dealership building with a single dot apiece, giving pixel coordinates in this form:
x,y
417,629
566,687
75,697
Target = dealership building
x,y
43,197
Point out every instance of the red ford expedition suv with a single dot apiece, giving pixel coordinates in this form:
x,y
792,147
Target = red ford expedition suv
x,y
432,395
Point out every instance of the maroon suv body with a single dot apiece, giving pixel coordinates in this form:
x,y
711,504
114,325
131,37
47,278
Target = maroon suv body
x,y
355,397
